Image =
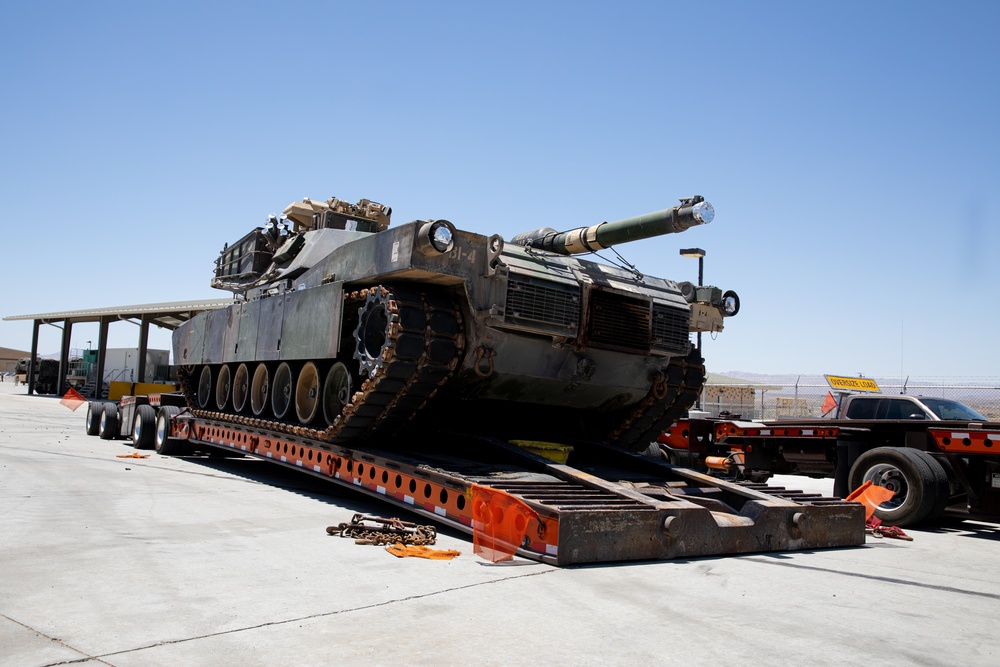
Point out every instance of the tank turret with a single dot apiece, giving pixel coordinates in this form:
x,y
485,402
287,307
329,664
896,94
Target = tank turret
x,y
346,329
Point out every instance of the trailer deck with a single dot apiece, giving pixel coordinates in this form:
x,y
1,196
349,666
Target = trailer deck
x,y
607,506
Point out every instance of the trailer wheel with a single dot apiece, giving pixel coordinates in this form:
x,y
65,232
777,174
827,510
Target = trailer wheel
x,y
653,451
910,474
94,412
759,476
108,429
144,427
163,443
942,492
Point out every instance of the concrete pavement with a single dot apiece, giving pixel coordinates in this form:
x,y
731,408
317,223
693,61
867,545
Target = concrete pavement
x,y
174,561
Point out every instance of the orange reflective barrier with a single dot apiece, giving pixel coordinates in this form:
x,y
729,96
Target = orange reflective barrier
x,y
499,523
871,497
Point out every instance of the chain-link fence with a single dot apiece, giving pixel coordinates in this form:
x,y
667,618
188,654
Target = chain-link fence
x,y
778,397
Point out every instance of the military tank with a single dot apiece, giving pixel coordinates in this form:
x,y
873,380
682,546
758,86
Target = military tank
x,y
345,329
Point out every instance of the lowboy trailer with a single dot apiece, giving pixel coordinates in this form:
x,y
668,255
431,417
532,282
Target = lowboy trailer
x,y
601,505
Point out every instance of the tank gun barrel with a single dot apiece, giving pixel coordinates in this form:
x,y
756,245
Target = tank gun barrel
x,y
692,211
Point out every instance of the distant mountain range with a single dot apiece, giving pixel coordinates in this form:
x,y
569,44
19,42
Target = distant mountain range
x,y
790,380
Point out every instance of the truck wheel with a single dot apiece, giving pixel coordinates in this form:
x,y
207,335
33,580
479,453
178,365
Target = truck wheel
x,y
144,427
162,442
108,430
905,471
94,412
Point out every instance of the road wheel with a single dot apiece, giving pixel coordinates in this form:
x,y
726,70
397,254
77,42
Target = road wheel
x,y
241,388
144,427
205,385
282,389
94,412
336,393
223,387
108,429
259,389
307,397
162,442
908,473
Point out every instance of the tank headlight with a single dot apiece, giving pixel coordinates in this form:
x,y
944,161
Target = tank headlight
x,y
436,236
687,291
730,303
441,237
703,212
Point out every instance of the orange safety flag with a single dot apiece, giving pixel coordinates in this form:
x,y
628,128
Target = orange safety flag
x,y
499,522
829,403
871,497
73,399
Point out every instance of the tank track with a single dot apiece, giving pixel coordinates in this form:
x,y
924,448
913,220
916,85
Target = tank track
x,y
674,391
424,344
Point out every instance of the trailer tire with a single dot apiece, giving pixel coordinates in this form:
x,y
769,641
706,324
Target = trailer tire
x,y
653,451
907,472
144,427
942,493
94,411
108,429
162,442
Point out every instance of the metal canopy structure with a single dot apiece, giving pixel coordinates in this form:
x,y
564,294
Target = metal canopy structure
x,y
166,315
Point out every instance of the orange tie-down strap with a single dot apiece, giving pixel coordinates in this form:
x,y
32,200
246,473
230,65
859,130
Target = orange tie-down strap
x,y
499,522
401,550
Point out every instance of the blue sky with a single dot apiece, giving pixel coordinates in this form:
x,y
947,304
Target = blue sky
x,y
850,150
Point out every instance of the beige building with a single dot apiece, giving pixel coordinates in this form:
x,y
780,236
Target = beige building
x,y
9,357
733,395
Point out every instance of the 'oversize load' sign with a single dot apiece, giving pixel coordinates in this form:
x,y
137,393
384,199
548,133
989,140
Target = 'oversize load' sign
x,y
851,384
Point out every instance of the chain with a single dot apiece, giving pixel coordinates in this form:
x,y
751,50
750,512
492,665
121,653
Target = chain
x,y
384,531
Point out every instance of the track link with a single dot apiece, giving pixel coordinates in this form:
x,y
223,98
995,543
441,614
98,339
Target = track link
x,y
674,391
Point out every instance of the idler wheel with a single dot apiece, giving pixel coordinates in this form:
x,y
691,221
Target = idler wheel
x,y
336,392
259,389
205,387
371,334
222,386
241,388
281,390
307,393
